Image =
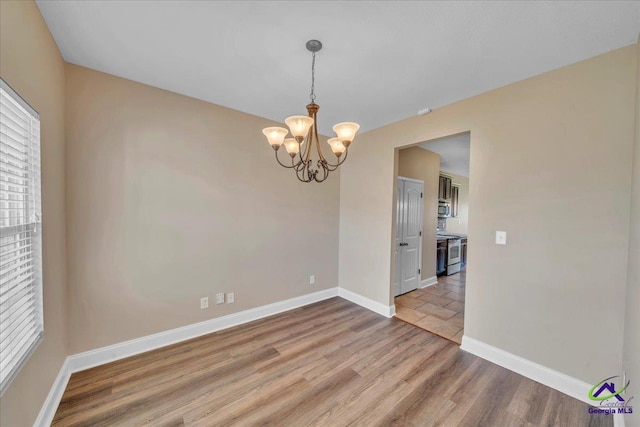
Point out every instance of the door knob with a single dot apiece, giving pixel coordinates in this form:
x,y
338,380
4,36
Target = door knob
x,y
404,244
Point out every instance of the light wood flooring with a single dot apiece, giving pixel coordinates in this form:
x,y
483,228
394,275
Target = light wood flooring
x,y
332,363
438,308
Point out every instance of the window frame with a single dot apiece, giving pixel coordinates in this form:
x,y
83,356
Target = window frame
x,y
34,192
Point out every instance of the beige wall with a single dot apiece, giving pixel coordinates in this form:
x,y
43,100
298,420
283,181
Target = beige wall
x,y
631,353
31,64
564,139
424,165
460,224
170,199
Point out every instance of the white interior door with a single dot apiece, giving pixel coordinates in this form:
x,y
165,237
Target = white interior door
x,y
409,230
396,283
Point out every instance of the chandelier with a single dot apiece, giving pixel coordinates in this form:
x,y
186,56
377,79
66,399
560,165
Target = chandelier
x,y
304,130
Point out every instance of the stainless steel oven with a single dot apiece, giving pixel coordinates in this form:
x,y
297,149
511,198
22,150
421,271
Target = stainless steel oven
x,y
454,256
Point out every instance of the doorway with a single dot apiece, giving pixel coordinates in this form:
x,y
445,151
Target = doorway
x,y
408,252
438,303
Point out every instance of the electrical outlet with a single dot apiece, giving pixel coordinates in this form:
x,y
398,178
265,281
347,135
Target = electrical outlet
x,y
501,237
230,298
312,279
204,303
220,298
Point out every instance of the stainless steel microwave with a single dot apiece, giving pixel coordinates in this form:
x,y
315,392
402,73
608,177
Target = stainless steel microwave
x,y
444,209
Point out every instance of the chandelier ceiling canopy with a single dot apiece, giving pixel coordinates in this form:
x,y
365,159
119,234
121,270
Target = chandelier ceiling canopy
x,y
304,137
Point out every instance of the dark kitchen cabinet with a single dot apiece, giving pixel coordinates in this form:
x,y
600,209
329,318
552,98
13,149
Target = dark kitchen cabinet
x,y
455,191
444,188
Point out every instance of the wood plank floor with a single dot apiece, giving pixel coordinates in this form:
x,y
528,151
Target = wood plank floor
x,y
332,363
438,309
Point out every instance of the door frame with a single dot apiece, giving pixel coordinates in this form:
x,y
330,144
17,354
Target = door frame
x,y
421,182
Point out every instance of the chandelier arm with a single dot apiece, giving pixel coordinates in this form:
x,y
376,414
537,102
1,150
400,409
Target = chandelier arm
x,y
300,154
341,160
325,171
301,179
309,148
283,165
306,173
312,110
310,140
304,153
300,166
331,168
300,169
315,131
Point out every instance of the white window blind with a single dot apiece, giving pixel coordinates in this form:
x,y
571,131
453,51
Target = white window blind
x,y
21,317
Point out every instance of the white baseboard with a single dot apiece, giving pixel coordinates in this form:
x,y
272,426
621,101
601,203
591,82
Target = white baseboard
x,y
48,410
89,359
100,356
430,281
570,386
375,306
556,380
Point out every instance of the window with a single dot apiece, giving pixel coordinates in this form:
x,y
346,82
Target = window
x,y
21,317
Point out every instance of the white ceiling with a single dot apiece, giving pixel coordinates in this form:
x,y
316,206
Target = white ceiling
x,y
381,61
454,152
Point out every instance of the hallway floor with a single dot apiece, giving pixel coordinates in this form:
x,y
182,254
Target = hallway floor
x,y
438,309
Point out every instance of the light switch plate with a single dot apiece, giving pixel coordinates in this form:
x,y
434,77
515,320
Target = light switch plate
x,y
312,280
501,237
204,303
230,297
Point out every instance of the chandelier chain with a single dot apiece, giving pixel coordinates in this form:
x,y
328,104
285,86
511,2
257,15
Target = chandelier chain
x,y
313,77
